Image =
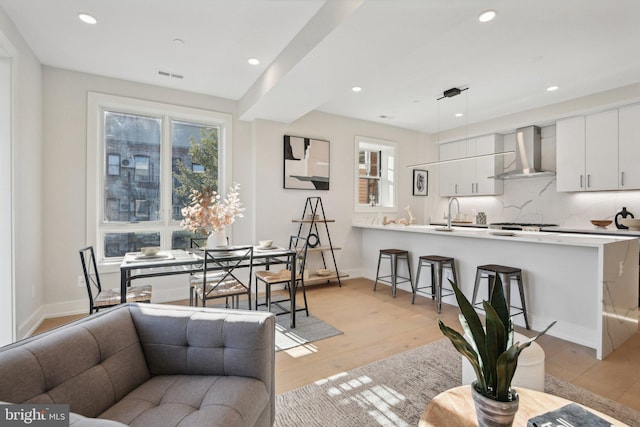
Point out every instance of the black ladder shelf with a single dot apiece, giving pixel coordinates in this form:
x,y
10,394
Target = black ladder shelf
x,y
313,215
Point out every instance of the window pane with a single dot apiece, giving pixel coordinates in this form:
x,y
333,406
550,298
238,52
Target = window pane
x,y
136,188
117,244
195,161
113,164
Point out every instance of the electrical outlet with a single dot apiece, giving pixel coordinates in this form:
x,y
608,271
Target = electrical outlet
x,y
81,282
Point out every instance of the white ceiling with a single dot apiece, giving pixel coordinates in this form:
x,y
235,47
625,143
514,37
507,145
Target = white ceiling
x,y
403,53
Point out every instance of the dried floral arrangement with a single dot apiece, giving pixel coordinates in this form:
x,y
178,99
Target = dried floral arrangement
x,y
208,212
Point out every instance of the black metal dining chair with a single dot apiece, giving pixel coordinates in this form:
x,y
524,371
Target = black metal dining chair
x,y
103,298
269,278
219,277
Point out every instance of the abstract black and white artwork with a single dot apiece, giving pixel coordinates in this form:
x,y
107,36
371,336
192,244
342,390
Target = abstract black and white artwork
x,y
420,183
306,163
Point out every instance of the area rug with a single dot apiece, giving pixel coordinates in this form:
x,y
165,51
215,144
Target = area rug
x,y
308,329
395,391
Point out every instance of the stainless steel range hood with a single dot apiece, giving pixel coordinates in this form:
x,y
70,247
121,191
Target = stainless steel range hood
x,y
528,155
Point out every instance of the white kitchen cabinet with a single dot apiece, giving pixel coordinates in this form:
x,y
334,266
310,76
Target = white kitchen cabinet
x,y
469,176
570,154
601,151
629,147
488,166
450,171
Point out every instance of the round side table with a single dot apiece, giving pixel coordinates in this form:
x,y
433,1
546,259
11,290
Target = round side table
x,y
455,408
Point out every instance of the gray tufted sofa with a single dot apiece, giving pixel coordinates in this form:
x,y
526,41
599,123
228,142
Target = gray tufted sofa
x,y
150,365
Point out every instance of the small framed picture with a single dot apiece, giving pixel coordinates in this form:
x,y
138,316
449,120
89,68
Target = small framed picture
x,y
420,182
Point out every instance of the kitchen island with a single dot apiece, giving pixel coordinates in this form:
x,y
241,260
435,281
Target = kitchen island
x,y
588,283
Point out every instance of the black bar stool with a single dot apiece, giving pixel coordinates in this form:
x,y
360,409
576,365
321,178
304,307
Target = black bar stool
x,y
393,255
436,263
507,274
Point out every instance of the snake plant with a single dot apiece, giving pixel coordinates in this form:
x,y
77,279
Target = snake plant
x,y
492,352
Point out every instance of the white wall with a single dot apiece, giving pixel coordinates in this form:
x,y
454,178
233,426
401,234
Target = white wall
x,y
27,176
7,321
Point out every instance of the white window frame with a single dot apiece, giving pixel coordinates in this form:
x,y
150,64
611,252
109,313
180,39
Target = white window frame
x,y
388,174
97,103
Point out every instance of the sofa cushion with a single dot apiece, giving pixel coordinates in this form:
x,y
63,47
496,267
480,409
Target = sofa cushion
x,y
192,400
90,365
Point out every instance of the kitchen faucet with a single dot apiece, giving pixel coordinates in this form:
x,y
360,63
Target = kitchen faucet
x,y
449,215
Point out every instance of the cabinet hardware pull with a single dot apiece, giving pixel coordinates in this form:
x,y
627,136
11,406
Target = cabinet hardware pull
x,y
588,180
580,181
622,179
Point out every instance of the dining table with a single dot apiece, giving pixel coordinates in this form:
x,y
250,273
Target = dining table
x,y
136,265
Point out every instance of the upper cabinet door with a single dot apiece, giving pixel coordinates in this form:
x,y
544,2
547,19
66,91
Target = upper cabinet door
x,y
570,154
629,147
488,166
449,172
602,151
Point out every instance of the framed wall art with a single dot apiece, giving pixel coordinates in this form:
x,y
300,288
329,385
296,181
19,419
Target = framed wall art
x,y
420,182
306,163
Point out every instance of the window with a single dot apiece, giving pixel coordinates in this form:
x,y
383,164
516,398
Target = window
x,y
113,164
147,157
375,175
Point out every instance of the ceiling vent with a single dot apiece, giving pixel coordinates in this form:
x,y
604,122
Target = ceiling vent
x,y
168,74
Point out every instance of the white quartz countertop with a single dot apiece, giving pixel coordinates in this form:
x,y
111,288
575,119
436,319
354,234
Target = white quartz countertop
x,y
609,231
544,237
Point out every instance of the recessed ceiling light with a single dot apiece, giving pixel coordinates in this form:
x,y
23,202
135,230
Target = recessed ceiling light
x,y
87,19
459,114
356,89
253,61
487,16
552,88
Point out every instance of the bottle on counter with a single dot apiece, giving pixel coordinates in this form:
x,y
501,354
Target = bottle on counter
x,y
481,218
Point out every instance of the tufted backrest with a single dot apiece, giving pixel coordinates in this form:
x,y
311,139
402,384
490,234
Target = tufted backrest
x,y
89,364
192,341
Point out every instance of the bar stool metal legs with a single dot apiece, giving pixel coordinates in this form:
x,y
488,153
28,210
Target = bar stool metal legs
x,y
393,255
436,263
507,274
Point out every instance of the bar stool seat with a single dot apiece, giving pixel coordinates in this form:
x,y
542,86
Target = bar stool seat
x,y
436,263
393,279
507,274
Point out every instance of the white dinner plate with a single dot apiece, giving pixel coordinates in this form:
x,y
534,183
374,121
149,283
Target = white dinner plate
x,y
146,257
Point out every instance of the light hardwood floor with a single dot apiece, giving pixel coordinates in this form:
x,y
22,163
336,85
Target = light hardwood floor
x,y
377,326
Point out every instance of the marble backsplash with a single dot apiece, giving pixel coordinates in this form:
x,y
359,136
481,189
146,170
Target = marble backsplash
x,y
535,200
